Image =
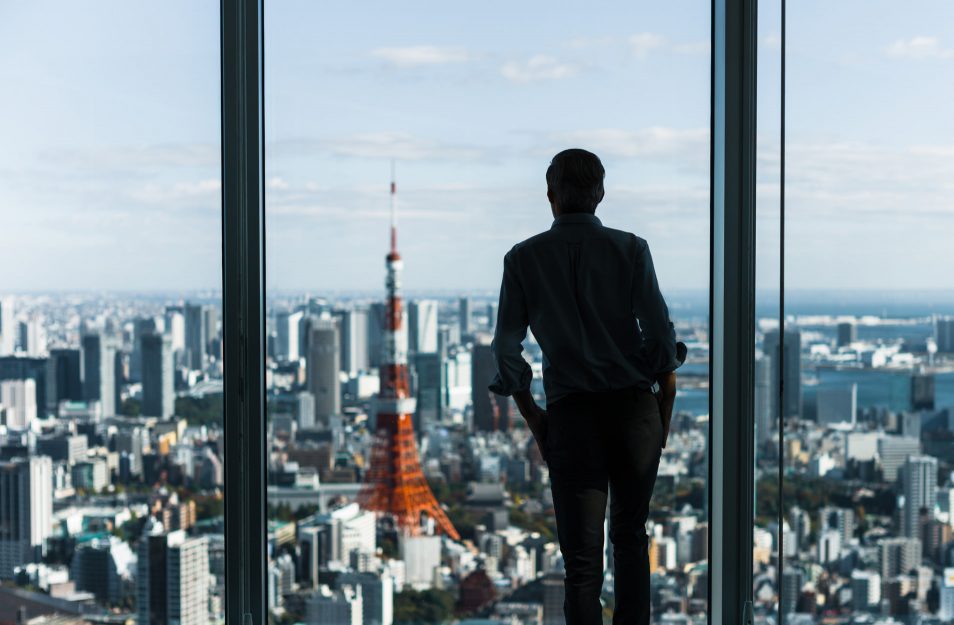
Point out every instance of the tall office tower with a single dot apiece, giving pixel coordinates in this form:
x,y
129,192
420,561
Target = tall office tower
x,y
395,484
26,511
793,580
865,590
377,312
134,442
33,337
175,327
305,409
142,327
24,368
492,315
944,334
791,364
354,339
172,579
103,566
99,371
8,327
898,555
286,331
464,315
491,412
922,391
893,451
18,398
377,595
946,611
837,405
841,520
323,367
158,388
335,607
847,333
919,487
312,553
196,337
444,341
422,331
765,421
65,380
429,367
210,319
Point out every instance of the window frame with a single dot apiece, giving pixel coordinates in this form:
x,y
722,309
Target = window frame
x,y
731,309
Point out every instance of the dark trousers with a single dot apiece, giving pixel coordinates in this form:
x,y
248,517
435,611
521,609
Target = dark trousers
x,y
597,440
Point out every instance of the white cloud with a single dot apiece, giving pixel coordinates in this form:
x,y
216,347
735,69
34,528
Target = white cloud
x,y
538,67
416,56
920,47
653,141
641,44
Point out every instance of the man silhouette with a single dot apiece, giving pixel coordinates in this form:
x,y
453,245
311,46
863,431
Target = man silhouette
x,y
589,295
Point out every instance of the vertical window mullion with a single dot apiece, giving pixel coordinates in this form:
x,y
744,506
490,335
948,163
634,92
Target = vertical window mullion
x,y
243,273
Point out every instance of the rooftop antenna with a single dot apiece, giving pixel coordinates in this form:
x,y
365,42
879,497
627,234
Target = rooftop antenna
x,y
393,211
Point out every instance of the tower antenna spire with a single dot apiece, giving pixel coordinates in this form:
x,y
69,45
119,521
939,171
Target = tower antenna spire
x,y
393,211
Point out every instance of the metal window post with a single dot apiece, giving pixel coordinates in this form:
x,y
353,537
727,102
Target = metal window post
x,y
243,275
732,310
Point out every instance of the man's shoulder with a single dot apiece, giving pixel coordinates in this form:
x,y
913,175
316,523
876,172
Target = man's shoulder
x,y
621,238
624,237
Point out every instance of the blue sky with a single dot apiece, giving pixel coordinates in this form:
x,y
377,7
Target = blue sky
x,y
109,127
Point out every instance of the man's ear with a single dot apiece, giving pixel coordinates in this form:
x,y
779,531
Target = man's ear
x,y
602,193
549,195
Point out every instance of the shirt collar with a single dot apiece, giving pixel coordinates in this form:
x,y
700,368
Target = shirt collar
x,y
577,218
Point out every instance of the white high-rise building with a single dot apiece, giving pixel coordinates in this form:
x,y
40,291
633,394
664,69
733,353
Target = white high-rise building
x,y
421,554
865,589
288,341
33,337
172,578
26,485
18,398
422,329
8,329
354,340
377,595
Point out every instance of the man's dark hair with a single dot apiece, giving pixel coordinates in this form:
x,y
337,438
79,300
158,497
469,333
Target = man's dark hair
x,y
575,178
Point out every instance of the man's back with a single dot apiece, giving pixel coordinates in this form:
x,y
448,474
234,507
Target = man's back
x,y
580,287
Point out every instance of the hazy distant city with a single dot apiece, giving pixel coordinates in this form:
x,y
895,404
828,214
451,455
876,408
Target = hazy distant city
x,y
111,467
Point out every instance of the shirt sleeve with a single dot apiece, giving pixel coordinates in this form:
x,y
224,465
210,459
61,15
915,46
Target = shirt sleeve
x,y
513,371
659,348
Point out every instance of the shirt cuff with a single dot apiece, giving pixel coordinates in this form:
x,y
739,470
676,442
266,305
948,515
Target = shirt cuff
x,y
501,387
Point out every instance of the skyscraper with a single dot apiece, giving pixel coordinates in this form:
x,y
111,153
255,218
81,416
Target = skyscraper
x,y
65,370
33,337
919,486
323,367
286,328
196,336
99,371
158,389
353,324
377,312
26,511
8,330
944,334
837,405
422,328
464,315
142,327
18,398
922,391
791,364
847,333
23,368
172,580
766,421
491,412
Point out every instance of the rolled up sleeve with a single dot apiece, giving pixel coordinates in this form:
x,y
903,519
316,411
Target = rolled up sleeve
x,y
513,371
659,348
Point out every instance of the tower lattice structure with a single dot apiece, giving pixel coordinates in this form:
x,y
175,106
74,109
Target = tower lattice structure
x,y
395,484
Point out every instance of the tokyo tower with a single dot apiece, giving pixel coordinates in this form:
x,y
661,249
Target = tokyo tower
x,y
395,484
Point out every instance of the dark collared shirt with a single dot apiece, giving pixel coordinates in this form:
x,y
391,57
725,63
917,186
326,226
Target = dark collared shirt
x,y
581,287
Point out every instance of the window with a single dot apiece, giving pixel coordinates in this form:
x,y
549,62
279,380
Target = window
x,y
464,110
111,456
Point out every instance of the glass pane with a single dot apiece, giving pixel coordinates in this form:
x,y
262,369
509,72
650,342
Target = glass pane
x,y
465,110
110,344
766,533
868,465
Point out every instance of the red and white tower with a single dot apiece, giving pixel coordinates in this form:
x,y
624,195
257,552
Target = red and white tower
x,y
395,484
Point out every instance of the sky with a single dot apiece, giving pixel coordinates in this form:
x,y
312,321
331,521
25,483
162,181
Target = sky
x,y
109,140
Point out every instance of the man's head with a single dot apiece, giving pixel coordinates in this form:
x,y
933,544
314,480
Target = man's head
x,y
575,182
